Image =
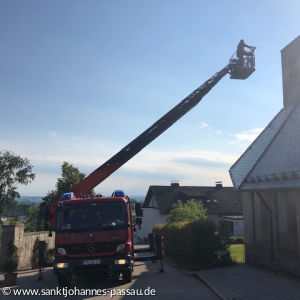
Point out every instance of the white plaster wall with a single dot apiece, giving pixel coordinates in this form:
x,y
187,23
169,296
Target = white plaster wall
x,y
238,228
151,216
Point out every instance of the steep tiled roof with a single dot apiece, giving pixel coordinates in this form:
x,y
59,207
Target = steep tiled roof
x,y
273,159
228,200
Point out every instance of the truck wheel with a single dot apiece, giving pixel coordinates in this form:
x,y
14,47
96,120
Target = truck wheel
x,y
127,276
64,280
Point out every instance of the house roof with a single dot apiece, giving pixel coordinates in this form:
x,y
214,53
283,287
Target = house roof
x,y
228,200
273,159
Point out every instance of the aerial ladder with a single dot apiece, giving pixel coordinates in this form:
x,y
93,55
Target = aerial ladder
x,y
236,69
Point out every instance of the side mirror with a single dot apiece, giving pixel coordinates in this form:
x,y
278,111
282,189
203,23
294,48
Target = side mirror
x,y
138,220
138,209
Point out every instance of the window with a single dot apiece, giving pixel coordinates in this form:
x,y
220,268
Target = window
x,y
91,216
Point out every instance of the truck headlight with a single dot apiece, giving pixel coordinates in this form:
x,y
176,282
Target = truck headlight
x,y
62,265
120,247
61,251
121,261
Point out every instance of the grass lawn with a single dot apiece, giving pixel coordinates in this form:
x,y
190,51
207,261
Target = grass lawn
x,y
237,253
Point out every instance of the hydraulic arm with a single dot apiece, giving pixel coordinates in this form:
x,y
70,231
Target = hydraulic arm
x,y
86,186
101,173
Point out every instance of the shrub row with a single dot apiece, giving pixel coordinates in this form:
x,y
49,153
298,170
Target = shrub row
x,y
193,244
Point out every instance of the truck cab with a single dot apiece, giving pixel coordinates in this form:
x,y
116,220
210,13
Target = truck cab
x,y
94,234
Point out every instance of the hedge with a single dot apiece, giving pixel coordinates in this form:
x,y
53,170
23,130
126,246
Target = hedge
x,y
193,244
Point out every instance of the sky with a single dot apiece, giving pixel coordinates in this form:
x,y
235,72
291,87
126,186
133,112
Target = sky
x,y
79,80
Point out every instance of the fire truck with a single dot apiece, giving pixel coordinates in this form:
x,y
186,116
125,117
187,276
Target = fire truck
x,y
94,234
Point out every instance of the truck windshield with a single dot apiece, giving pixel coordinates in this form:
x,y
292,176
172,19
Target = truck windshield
x,y
91,216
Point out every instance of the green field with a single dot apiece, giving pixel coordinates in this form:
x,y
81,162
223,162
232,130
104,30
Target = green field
x,y
237,253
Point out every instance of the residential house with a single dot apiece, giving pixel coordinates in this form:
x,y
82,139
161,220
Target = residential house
x,y
223,204
268,175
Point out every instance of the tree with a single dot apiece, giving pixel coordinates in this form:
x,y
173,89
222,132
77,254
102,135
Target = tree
x,y
33,222
16,209
14,170
191,211
70,176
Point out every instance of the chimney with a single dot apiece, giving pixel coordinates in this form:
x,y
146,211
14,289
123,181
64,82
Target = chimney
x,y
175,183
219,184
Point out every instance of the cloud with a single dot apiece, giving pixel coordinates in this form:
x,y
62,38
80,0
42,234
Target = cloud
x,y
247,136
60,142
204,125
98,144
147,168
53,133
218,132
11,146
173,161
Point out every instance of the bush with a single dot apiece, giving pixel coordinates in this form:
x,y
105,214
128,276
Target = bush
x,y
191,211
193,245
12,258
157,228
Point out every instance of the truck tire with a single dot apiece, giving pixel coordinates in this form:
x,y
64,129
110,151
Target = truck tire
x,y
127,276
64,280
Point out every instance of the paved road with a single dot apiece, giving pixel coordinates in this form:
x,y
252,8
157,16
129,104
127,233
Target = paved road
x,y
172,284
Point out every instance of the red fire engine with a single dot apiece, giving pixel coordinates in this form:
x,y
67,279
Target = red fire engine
x,y
95,233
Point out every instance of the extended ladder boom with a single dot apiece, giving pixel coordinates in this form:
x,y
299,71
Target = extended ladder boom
x,y
235,68
101,173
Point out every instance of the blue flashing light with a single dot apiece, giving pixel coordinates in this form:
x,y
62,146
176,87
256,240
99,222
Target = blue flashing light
x,y
118,193
67,196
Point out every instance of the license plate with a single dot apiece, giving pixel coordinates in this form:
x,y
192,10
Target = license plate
x,y
91,262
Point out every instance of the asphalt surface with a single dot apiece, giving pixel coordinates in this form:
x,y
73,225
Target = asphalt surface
x,y
241,282
170,285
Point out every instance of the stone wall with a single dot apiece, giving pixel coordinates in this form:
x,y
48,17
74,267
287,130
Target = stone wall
x,y
24,241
